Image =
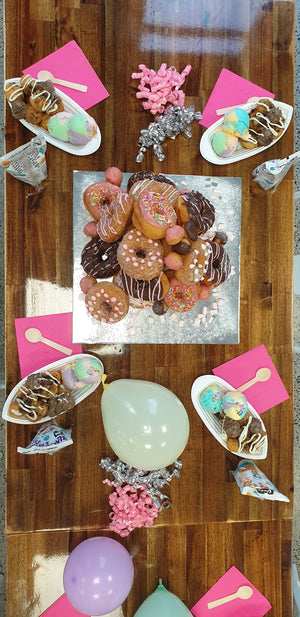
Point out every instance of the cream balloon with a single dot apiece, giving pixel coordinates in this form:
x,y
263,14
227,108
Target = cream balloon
x,y
145,423
161,603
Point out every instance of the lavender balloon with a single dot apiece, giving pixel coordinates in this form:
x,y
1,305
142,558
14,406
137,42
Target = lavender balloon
x,y
98,576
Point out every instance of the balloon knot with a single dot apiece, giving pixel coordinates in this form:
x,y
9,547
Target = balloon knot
x,y
103,379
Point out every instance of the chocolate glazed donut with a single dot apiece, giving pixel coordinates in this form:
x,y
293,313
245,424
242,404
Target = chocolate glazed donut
x,y
150,175
99,258
200,210
149,291
219,266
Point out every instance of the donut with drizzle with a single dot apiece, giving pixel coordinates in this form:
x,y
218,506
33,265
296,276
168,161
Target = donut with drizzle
x,y
98,196
153,214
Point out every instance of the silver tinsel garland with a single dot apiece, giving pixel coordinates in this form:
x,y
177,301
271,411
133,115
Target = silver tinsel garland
x,y
151,481
172,122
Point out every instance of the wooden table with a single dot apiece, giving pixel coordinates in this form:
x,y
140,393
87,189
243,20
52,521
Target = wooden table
x,y
61,498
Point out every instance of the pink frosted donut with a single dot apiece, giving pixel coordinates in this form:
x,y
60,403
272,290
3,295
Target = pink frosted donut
x,y
181,298
153,214
107,302
96,197
140,257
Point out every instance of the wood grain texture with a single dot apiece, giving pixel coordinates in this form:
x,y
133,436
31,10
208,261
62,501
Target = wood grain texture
x,y
255,39
188,558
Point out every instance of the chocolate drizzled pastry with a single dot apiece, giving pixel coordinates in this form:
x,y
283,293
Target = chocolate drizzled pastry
x,y
99,258
200,210
150,175
149,291
219,266
61,403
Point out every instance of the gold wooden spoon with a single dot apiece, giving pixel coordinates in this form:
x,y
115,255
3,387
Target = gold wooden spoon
x,y
34,335
243,593
263,374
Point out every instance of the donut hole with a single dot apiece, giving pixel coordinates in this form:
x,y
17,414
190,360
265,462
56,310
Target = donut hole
x,y
107,307
140,254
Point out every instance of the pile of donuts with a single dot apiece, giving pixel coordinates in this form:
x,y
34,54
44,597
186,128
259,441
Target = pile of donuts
x,y
32,100
158,245
241,129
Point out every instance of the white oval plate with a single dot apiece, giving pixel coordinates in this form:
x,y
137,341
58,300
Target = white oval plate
x,y
79,395
71,107
213,423
206,149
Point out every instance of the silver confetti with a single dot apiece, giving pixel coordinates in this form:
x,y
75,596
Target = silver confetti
x,y
151,481
172,122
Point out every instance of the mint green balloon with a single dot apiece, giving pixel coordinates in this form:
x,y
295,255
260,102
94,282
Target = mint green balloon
x,y
145,424
162,603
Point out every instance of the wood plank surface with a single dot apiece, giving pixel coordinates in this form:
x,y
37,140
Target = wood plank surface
x,y
39,241
252,38
189,559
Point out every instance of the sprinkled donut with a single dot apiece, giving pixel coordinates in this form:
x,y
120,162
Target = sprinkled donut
x,y
194,208
107,302
195,264
218,267
99,258
153,214
152,185
181,298
140,257
96,197
115,220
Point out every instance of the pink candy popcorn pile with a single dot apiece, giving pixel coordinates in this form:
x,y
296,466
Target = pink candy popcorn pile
x,y
161,87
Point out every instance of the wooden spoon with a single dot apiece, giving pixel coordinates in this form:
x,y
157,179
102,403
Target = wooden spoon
x,y
263,374
243,593
44,75
34,335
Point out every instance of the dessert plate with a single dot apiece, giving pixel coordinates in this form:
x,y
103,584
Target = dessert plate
x,y
213,423
79,395
241,153
70,107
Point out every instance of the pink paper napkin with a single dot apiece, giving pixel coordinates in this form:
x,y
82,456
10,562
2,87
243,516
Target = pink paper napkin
x,y
230,89
70,63
241,369
62,608
256,606
57,328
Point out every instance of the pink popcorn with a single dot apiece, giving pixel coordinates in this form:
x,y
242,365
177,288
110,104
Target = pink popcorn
x,y
160,88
